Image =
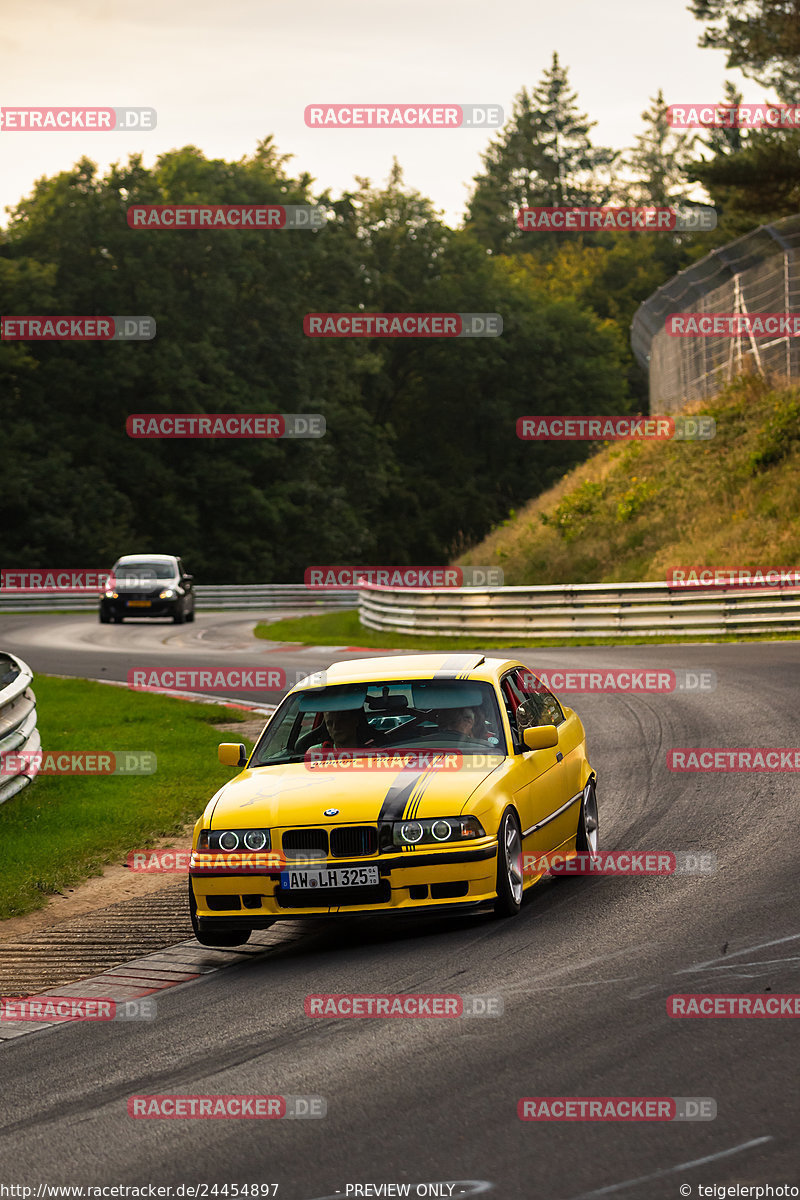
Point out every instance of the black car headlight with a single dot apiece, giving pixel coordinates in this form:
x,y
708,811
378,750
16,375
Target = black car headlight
x,y
234,839
436,829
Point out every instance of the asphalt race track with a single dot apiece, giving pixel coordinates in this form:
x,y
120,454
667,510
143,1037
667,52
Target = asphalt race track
x,y
584,973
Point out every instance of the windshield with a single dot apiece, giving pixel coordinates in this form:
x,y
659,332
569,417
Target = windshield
x,y
419,714
144,571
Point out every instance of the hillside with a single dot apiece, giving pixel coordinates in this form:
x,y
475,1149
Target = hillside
x,y
635,509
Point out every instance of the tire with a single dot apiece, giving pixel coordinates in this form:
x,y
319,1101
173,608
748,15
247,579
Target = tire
x,y
509,866
190,616
586,838
104,617
118,620
179,616
223,937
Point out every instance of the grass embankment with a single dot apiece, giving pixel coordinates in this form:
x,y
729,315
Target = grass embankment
x,y
62,829
343,629
634,509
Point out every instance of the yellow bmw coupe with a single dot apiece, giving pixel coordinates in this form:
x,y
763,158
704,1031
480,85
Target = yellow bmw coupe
x,y
427,783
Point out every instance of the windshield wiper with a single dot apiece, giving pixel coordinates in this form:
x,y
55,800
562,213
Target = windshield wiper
x,y
282,760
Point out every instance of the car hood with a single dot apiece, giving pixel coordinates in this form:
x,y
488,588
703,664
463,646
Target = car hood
x,y
299,794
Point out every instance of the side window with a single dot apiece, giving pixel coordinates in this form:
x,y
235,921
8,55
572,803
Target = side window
x,y
539,700
513,699
553,713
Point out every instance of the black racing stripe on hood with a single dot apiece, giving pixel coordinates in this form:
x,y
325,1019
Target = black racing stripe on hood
x,y
416,799
398,795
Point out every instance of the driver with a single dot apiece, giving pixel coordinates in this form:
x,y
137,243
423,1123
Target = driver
x,y
460,722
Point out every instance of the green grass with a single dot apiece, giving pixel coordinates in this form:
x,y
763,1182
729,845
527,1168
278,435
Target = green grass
x,y
629,513
634,509
62,829
343,629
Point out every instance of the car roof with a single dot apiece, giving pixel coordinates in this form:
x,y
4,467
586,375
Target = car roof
x,y
156,557
470,665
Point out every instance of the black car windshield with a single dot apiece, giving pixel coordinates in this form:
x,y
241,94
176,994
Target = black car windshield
x,y
417,714
144,571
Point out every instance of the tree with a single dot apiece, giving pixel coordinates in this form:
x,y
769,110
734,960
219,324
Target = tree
x,y
420,452
659,158
726,139
543,156
761,37
756,184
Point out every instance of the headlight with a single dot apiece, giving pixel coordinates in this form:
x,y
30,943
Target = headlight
x,y
167,594
437,829
112,595
232,839
411,831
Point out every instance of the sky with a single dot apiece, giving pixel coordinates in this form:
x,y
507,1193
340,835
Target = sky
x,y
222,74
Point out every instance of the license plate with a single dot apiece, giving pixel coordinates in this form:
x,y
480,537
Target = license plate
x,y
138,604
331,877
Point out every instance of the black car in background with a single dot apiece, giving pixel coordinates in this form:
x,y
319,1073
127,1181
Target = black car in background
x,y
147,585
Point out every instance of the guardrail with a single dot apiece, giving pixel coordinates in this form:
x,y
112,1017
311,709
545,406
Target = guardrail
x,y
209,596
579,610
17,722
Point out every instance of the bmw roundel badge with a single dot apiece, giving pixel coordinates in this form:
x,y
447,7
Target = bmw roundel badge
x,y
331,812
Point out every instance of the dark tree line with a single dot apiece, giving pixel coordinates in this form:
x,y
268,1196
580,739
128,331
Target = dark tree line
x,y
421,457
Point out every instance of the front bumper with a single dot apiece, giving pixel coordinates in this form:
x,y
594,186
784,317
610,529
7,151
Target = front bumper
x,y
410,882
156,608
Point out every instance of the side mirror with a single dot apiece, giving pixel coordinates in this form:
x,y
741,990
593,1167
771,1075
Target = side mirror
x,y
540,737
234,754
188,578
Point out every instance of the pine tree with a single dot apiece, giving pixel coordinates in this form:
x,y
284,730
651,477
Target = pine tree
x,y
543,156
659,158
762,38
724,139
